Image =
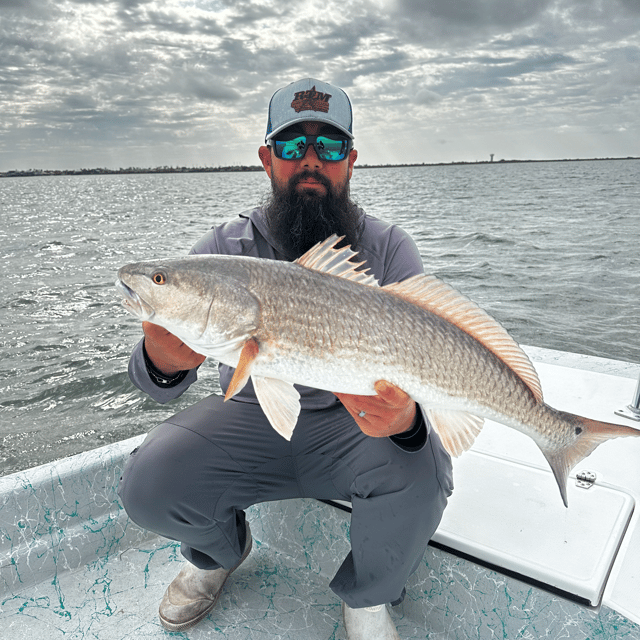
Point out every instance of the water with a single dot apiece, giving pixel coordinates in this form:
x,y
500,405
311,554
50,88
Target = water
x,y
549,249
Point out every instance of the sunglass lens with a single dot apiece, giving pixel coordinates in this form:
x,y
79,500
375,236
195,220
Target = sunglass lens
x,y
291,149
331,149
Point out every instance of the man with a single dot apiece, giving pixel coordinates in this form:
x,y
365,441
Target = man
x,y
194,475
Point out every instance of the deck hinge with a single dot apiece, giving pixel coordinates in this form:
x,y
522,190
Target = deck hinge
x,y
585,479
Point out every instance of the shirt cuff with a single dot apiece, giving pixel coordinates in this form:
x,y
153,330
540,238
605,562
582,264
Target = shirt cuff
x,y
161,379
416,437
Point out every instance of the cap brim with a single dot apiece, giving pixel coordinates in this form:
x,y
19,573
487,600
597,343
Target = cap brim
x,y
308,118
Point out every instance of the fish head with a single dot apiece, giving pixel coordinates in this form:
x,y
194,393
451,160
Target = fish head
x,y
206,307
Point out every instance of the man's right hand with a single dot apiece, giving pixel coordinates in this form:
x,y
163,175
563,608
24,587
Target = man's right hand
x,y
167,352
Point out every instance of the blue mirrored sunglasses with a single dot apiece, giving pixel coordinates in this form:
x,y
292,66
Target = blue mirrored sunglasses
x,y
328,147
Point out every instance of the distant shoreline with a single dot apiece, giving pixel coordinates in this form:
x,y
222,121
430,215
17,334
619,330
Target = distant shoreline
x,y
241,168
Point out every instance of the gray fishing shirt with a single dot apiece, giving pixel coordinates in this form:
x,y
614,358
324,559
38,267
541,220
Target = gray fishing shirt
x,y
389,252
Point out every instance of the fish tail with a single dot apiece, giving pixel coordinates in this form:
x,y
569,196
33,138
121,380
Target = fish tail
x,y
589,434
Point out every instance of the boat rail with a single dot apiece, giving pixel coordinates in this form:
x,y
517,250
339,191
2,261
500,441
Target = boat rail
x,y
632,410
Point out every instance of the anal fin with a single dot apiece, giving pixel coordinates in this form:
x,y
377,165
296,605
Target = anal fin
x,y
241,375
280,402
457,429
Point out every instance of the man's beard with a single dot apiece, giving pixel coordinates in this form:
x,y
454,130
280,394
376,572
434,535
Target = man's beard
x,y
299,220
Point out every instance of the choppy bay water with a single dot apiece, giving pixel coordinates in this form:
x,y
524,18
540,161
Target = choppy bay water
x,y
549,249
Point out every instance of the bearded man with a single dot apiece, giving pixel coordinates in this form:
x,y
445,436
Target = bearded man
x,y
193,477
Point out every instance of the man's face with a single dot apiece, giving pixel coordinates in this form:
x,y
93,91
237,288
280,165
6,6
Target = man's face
x,y
283,171
310,198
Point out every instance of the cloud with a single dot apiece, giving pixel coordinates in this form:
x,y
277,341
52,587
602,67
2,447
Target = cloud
x,y
439,22
426,97
502,13
633,6
250,13
201,84
383,63
163,77
10,8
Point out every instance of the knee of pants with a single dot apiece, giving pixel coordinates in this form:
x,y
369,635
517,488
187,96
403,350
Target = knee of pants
x,y
137,493
153,480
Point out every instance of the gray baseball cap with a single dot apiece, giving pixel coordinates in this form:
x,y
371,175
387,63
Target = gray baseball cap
x,y
309,100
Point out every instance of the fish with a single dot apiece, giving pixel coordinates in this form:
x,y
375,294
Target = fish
x,y
324,321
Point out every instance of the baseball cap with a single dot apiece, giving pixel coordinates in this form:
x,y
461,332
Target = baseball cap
x,y
309,100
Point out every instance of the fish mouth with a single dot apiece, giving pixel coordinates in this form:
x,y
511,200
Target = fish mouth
x,y
132,302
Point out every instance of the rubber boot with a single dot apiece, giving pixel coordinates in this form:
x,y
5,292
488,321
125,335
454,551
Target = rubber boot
x,y
370,623
194,592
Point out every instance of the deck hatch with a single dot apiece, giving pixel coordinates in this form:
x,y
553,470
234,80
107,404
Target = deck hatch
x,y
511,516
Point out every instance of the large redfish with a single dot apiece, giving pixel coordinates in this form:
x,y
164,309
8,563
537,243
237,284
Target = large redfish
x,y
321,322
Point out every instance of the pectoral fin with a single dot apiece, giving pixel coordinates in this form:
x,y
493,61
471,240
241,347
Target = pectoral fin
x,y
280,402
243,370
457,429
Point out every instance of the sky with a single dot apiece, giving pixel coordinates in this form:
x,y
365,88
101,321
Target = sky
x,y
150,83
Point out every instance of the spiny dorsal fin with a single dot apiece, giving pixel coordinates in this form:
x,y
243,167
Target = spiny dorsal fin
x,y
438,297
325,258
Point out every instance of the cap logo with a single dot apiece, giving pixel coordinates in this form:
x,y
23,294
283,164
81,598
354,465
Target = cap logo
x,y
311,100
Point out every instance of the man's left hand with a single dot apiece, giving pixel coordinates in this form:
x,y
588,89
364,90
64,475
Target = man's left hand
x,y
388,413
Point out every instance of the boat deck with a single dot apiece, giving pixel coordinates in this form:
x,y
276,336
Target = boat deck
x,y
116,596
282,593
72,566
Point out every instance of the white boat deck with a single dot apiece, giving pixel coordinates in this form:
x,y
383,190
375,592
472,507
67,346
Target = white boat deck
x,y
73,566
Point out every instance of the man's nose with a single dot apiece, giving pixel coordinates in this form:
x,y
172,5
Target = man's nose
x,y
311,160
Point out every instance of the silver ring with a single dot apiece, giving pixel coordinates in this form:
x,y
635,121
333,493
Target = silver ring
x,y
362,414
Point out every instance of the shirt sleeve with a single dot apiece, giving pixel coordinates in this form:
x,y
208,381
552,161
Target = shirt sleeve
x,y
140,376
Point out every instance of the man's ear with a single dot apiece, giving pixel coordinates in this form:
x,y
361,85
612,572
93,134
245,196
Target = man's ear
x,y
264,153
353,156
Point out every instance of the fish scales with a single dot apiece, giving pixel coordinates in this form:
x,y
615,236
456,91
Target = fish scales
x,y
323,322
321,319
299,311
324,317
307,314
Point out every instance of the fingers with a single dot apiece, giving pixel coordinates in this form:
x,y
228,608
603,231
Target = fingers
x,y
392,395
390,412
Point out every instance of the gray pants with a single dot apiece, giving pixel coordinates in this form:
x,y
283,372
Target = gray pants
x,y
194,475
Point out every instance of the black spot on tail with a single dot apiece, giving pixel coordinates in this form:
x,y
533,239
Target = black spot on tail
x,y
578,430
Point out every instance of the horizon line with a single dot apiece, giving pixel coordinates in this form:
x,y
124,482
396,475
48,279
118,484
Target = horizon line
x,y
15,173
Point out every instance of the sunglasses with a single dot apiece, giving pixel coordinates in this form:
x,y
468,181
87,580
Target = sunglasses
x,y
328,147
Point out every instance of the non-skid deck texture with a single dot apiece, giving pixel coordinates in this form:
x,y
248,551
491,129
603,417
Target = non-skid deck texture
x,y
281,592
73,567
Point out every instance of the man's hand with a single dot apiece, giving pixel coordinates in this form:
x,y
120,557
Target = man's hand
x,y
390,412
167,352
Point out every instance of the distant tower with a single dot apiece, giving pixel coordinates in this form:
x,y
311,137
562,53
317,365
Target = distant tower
x,y
492,154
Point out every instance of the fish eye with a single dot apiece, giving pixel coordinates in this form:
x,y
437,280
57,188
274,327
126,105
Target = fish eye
x,y
159,277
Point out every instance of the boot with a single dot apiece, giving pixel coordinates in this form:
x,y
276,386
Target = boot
x,y
370,623
194,592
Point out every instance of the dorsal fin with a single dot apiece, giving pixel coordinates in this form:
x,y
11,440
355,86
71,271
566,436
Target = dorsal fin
x,y
438,297
326,258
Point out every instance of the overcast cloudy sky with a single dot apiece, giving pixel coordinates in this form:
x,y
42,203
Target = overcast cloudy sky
x,y
118,83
